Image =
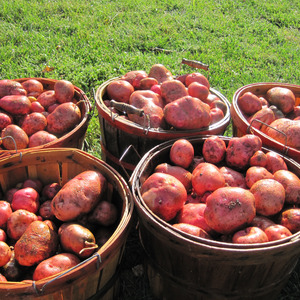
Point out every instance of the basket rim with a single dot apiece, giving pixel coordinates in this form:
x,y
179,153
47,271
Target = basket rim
x,y
107,115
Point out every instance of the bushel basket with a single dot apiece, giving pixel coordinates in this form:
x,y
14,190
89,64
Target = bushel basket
x,y
96,277
183,266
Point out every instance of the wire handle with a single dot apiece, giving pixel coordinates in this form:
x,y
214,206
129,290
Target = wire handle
x,y
195,64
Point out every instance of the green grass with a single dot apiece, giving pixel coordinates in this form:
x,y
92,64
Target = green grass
x,y
89,42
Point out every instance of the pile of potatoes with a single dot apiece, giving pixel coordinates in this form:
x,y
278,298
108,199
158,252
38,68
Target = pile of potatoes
x,y
33,116
48,229
279,109
181,103
233,193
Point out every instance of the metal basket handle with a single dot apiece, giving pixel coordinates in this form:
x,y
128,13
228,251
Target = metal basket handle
x,y
195,64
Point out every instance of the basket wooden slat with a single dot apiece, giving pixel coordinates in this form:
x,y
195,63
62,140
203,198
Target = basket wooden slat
x,y
94,274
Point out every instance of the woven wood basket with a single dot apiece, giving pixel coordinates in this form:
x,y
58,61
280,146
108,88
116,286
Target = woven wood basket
x,y
96,277
182,266
120,136
241,126
72,139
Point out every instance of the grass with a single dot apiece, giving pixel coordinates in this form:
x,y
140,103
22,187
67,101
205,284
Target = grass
x,y
89,42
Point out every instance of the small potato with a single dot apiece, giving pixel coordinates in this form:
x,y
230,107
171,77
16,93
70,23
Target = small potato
x,y
196,77
192,229
264,115
216,115
33,87
40,138
5,120
214,149
249,103
5,253
26,198
16,104
250,235
290,218
5,212
147,83
64,91
33,123
19,137
105,213
55,265
198,90
47,98
275,162
37,107
233,177
262,222
135,78
258,159
277,232
182,153
160,73
120,90
172,90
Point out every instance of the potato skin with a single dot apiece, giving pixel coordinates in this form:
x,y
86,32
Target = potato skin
x,y
40,138
16,104
78,196
54,265
19,136
282,98
11,87
249,103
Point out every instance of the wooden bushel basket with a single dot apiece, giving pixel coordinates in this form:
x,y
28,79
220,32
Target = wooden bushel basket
x,y
96,277
72,139
241,126
124,142
182,266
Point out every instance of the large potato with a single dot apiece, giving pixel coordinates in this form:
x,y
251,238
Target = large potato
x,y
78,196
11,87
33,123
40,138
15,104
160,73
187,113
281,97
64,118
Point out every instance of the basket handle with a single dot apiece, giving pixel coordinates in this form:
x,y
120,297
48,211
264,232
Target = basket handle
x,y
124,155
195,64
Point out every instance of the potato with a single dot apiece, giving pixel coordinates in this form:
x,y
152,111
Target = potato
x,y
11,87
37,107
40,138
33,183
33,123
47,98
233,178
5,120
119,90
277,232
250,235
262,222
64,118
36,244
259,159
216,115
79,195
5,253
105,213
172,90
16,104
290,218
64,91
281,97
187,113
192,229
264,115
290,129
198,90
33,87
140,98
135,78
196,77
275,162
249,103
255,173
26,198
214,149
147,83
19,137
160,73
164,195
55,265
182,153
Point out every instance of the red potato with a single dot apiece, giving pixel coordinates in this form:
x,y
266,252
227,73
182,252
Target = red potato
x,y
135,78
211,98
55,265
5,120
263,101
141,98
262,117
216,115
275,162
262,222
240,149
5,212
5,254
64,91
233,178
160,73
33,183
37,107
250,235
45,211
19,137
254,174
182,77
12,270
33,87
229,208
172,90
18,221
102,235
40,138
33,123
9,194
50,190
277,232
193,213
290,218
183,175
105,213
196,77
291,184
36,244
269,196
259,159
64,118
281,97
187,113
182,153
3,235
15,104
191,229
52,107
249,103
277,112
219,104
2,278
295,113
207,178
26,198
214,149
79,195
11,87
198,90
147,83
194,198
47,98
164,195
120,90
156,89
77,239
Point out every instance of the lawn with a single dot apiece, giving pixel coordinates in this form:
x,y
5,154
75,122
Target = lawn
x,y
89,42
